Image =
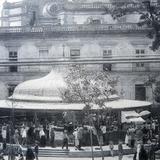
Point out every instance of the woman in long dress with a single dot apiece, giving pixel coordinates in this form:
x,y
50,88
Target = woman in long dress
x,y
76,140
42,138
128,138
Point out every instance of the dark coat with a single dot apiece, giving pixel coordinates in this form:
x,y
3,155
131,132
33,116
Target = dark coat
x,y
142,155
30,154
36,149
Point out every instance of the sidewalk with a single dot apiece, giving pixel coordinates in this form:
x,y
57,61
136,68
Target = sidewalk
x,y
86,152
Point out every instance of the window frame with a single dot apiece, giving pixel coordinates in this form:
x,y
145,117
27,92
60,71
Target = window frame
x,y
76,55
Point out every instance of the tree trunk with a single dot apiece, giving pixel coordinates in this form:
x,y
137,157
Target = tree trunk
x,y
100,145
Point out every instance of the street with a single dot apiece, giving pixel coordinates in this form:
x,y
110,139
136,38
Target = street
x,y
128,157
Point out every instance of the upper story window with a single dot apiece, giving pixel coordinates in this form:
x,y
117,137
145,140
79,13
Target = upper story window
x,y
43,52
13,56
140,52
75,53
107,53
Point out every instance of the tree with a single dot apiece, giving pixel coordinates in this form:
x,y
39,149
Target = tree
x,y
90,88
154,82
149,17
157,92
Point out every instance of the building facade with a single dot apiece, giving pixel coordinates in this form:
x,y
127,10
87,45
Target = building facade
x,y
54,31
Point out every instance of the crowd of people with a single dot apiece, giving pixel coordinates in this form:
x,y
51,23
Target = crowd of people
x,y
146,133
31,134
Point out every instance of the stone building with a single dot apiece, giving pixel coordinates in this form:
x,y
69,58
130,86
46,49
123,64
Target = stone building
x,y
74,30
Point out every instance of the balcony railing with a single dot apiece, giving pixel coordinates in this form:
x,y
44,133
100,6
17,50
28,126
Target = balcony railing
x,y
152,58
102,5
101,28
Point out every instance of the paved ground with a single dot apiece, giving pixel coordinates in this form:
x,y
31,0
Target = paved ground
x,y
129,157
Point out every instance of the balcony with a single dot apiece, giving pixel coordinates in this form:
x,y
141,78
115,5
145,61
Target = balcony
x,y
102,5
59,29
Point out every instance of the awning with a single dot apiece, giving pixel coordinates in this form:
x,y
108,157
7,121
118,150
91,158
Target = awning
x,y
144,113
27,105
125,103
137,120
131,116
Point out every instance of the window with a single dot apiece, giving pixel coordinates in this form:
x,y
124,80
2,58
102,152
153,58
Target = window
x,y
107,54
140,92
95,21
11,88
43,52
139,64
75,53
5,12
107,67
139,54
13,57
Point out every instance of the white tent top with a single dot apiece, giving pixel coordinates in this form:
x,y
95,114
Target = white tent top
x,y
47,87
124,104
144,113
116,104
139,120
131,116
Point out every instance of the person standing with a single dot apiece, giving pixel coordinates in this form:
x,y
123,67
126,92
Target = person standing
x,y
103,129
151,152
42,138
111,147
120,150
52,136
141,153
24,135
4,133
79,136
65,140
127,138
16,137
36,151
76,140
29,154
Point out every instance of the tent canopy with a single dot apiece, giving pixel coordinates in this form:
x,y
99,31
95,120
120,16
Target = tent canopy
x,y
27,105
145,113
131,116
